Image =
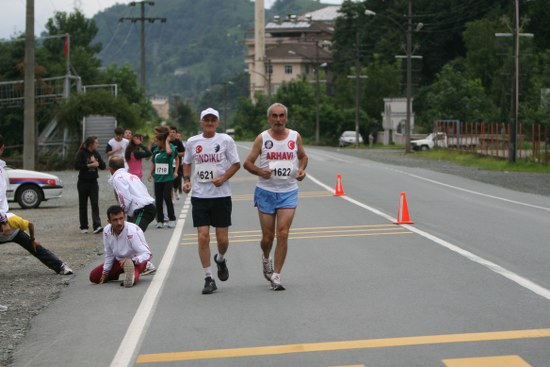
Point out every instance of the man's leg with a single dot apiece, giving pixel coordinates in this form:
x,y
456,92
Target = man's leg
x,y
222,237
97,272
284,221
143,216
43,254
267,224
204,255
203,233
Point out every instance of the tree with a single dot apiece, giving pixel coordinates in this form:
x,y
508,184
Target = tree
x,y
454,96
185,118
99,102
82,52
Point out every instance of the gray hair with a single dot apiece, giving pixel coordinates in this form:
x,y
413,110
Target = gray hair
x,y
277,104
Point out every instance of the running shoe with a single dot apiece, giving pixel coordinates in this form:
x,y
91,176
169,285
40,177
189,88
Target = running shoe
x,y
128,273
172,224
209,286
159,225
150,268
65,270
223,272
268,268
98,229
84,231
276,283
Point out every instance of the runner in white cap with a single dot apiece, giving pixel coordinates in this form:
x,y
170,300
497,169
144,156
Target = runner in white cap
x,y
215,159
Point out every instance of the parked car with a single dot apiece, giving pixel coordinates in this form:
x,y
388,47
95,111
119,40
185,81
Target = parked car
x,y
30,188
348,138
430,141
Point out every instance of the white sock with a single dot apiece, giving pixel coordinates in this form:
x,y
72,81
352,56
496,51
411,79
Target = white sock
x,y
219,258
208,272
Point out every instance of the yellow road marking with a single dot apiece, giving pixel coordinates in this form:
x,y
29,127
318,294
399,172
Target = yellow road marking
x,y
294,230
314,232
344,345
290,237
500,361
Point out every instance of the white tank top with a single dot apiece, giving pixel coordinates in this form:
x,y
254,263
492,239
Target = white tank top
x,y
282,157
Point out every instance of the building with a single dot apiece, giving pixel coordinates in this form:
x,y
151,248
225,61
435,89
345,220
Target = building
x,y
161,106
394,119
298,45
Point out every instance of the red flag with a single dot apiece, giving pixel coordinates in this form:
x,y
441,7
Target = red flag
x,y
66,46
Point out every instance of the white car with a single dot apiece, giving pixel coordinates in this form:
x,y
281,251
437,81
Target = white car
x,y
30,188
348,138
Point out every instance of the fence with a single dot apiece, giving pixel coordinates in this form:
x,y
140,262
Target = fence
x,y
494,139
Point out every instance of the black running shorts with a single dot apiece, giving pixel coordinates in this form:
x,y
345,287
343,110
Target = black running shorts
x,y
215,212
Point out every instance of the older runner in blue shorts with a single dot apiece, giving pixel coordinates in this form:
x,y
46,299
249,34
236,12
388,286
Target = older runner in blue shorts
x,y
282,164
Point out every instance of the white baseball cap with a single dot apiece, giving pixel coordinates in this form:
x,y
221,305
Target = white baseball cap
x,y
210,111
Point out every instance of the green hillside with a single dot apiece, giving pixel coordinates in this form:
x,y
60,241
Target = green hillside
x,y
200,44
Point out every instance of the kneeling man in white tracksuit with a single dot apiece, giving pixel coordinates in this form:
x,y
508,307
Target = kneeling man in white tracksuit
x,y
126,250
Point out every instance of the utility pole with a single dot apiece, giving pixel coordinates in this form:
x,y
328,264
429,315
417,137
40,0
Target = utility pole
x,y
409,81
512,152
29,127
142,19
409,56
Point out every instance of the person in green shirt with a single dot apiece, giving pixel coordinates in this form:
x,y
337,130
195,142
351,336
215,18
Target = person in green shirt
x,y
165,160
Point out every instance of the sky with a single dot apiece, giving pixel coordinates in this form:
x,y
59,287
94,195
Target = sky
x,y
12,12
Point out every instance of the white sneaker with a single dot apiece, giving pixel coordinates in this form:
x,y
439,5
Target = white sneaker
x,y
267,265
84,231
128,274
65,270
276,283
165,225
149,269
159,225
172,224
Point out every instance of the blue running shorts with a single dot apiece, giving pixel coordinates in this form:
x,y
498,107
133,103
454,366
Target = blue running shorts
x,y
268,202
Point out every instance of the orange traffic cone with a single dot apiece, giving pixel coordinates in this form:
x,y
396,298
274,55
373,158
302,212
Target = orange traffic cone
x,y
403,211
339,188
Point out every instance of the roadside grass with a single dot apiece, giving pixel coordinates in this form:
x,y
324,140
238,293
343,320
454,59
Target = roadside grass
x,y
483,162
468,159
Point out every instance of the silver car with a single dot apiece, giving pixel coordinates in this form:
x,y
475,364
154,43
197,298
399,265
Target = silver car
x,y
349,138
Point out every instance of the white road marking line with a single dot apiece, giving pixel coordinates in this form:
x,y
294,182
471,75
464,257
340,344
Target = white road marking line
x,y
524,282
127,351
471,191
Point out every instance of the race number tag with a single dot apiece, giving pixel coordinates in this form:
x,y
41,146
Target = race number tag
x,y
161,168
281,169
204,172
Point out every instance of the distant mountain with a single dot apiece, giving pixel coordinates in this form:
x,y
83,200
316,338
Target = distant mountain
x,y
200,44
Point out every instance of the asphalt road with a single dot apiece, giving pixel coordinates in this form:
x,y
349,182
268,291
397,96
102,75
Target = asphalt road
x,y
466,285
